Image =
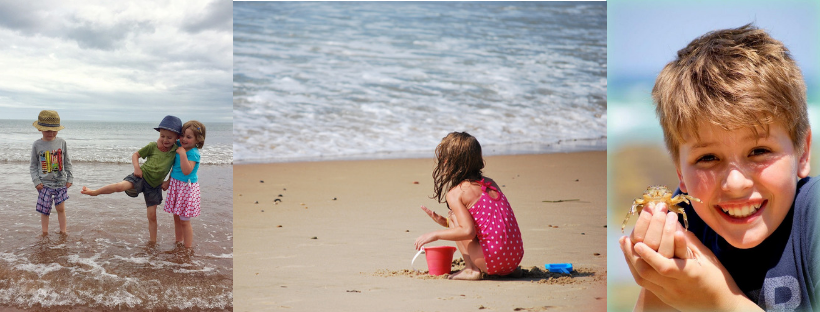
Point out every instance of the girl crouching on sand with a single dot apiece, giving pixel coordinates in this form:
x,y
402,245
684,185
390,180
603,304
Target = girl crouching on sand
x,y
184,196
480,221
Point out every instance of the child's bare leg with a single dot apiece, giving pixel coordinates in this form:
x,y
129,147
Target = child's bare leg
x,y
121,186
188,232
178,230
44,223
61,217
152,224
473,257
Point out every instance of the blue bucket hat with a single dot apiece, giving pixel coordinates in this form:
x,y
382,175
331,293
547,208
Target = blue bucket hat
x,y
171,123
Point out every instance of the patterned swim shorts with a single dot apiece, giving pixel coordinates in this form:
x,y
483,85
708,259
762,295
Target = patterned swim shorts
x,y
49,195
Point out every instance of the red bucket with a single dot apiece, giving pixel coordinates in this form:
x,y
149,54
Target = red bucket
x,y
439,259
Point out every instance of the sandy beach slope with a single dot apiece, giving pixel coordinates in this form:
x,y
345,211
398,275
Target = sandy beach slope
x,y
344,230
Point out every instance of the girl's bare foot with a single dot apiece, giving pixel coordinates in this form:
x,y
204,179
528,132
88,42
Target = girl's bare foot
x,y
467,275
87,191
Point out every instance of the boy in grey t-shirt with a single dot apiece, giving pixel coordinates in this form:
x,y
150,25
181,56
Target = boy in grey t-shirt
x,y
50,169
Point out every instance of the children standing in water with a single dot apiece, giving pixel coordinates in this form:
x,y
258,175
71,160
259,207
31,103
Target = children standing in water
x,y
183,195
50,169
480,221
147,179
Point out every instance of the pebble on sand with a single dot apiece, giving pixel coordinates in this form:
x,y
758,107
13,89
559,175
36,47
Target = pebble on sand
x,y
415,182
314,237
260,181
279,225
256,202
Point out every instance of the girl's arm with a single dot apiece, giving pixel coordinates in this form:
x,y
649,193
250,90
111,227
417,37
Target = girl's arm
x,y
466,225
184,164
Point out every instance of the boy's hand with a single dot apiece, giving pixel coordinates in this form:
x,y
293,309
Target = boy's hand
x,y
138,172
39,187
165,185
685,284
437,218
68,184
656,227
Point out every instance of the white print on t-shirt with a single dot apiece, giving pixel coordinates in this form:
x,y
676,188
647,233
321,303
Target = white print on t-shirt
x,y
771,284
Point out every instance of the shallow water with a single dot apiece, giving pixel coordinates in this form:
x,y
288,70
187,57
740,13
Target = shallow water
x,y
105,262
347,80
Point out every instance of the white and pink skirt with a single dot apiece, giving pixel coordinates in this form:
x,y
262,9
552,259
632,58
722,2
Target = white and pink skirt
x,y
183,199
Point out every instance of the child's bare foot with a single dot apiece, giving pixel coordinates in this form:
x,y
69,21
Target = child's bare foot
x,y
467,275
88,191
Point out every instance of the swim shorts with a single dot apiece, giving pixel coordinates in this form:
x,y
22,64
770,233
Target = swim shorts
x,y
153,195
47,196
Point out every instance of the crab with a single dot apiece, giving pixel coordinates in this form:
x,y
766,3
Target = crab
x,y
660,194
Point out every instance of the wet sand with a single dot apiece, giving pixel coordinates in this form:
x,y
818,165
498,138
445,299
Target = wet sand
x,y
105,262
341,236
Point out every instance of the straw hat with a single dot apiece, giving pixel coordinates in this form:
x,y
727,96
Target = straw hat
x,y
48,120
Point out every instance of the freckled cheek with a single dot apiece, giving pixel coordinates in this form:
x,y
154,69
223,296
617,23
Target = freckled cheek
x,y
780,174
701,183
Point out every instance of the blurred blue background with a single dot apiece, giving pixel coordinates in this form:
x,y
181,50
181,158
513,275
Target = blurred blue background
x,y
642,36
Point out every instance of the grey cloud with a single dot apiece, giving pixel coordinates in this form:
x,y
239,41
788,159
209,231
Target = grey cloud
x,y
217,16
104,37
17,15
24,18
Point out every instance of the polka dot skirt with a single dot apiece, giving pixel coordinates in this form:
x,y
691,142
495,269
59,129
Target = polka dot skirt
x,y
183,198
497,232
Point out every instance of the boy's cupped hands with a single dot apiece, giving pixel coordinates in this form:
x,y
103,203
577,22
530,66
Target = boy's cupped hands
x,y
675,266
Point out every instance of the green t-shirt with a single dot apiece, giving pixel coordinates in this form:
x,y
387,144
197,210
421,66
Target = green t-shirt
x,y
157,164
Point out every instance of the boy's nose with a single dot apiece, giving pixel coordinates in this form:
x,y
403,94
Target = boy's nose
x,y
736,180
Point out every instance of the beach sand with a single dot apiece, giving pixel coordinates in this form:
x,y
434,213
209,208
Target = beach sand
x,y
342,236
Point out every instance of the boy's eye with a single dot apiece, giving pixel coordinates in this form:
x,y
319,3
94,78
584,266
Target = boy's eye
x,y
759,151
706,158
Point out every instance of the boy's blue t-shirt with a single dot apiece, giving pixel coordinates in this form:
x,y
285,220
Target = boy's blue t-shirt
x,y
176,171
783,272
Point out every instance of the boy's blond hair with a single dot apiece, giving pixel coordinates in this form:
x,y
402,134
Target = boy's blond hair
x,y
731,78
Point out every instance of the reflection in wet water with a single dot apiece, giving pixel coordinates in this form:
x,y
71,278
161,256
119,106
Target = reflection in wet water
x,y
105,263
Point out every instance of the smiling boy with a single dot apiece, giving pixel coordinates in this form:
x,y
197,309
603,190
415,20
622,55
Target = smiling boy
x,y
147,179
732,106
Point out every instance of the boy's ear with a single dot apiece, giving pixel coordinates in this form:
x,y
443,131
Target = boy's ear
x,y
803,164
682,185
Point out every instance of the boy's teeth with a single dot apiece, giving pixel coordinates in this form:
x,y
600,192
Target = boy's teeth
x,y
742,211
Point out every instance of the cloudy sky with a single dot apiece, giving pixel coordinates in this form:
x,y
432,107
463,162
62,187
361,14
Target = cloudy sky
x,y
116,60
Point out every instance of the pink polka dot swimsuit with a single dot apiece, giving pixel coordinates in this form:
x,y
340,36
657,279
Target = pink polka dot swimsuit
x,y
497,231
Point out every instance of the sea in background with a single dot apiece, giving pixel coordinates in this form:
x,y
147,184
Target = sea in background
x,y
346,80
105,261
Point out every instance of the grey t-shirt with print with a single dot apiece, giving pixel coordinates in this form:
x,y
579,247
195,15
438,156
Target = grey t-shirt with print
x,y
50,164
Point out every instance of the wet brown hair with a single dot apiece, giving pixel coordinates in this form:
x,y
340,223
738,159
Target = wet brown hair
x,y
732,78
199,132
458,158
